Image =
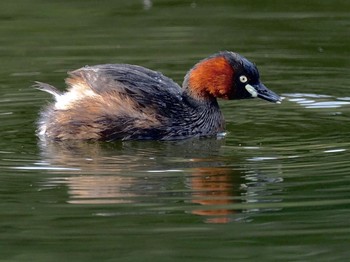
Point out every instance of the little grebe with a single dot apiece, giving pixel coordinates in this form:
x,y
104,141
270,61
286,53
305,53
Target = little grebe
x,y
120,101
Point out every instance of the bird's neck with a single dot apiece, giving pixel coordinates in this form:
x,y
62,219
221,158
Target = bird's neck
x,y
206,116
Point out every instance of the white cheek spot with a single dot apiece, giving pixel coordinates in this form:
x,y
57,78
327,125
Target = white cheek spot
x,y
251,90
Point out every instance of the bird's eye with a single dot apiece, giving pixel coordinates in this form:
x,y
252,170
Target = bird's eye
x,y
243,79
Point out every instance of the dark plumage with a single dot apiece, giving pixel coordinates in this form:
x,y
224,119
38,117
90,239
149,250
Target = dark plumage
x,y
120,101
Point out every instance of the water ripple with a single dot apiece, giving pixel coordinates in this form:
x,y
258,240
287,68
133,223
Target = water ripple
x,y
317,100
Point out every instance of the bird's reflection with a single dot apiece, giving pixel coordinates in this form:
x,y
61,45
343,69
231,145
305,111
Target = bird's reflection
x,y
141,172
216,188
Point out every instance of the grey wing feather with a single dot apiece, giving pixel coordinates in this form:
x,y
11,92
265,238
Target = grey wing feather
x,y
47,88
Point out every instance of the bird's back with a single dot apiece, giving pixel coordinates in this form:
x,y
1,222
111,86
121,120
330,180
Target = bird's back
x,y
115,101
131,80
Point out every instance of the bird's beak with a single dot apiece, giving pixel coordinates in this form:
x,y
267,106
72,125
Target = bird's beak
x,y
261,91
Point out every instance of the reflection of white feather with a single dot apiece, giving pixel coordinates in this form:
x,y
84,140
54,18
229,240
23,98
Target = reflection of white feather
x,y
147,4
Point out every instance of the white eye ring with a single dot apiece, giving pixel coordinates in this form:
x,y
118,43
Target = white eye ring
x,y
243,79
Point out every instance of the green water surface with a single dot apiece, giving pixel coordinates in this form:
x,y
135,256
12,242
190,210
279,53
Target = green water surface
x,y
276,188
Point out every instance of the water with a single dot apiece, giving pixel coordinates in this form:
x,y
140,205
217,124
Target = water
x,y
275,188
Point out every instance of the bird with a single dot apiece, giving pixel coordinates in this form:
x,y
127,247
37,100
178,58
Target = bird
x,y
111,102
